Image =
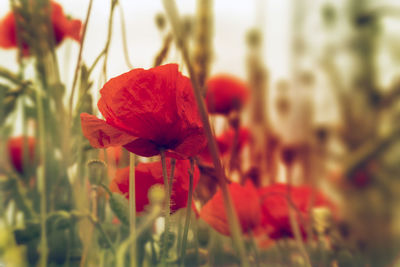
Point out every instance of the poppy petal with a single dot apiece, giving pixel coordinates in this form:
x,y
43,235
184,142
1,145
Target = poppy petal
x,y
142,147
101,135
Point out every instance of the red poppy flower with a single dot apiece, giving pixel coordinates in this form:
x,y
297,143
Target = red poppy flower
x,y
225,143
247,205
275,209
15,150
63,27
149,174
225,93
146,110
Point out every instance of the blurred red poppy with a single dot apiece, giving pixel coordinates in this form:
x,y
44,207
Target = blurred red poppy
x,y
247,205
149,174
225,143
225,140
63,27
225,93
275,209
145,111
16,149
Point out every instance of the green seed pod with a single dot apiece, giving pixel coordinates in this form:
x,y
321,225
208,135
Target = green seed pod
x,y
156,195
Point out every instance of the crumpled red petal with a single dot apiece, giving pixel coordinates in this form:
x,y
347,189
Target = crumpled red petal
x,y
157,105
101,135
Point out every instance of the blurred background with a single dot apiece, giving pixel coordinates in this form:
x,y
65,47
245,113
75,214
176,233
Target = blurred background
x,y
331,85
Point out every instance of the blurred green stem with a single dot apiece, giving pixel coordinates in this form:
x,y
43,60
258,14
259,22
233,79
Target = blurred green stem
x,y
78,63
233,221
21,201
148,222
42,180
188,210
164,249
124,41
132,208
104,52
171,176
292,218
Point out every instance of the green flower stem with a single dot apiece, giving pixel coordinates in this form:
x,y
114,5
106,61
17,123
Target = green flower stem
x,y
104,52
171,176
42,181
21,201
124,41
132,208
164,249
233,221
78,63
188,210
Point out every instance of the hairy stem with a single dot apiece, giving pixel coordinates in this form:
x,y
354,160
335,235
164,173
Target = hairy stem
x,y
132,208
42,181
188,210
164,250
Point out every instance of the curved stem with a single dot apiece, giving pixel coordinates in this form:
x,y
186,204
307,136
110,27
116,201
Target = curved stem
x,y
149,219
124,41
188,210
132,208
164,249
109,34
78,63
233,221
